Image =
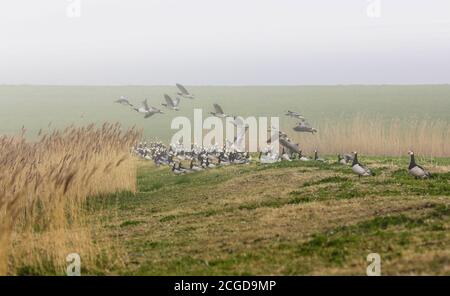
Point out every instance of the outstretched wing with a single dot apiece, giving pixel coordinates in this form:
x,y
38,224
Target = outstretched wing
x,y
218,109
153,110
176,101
169,101
145,104
182,89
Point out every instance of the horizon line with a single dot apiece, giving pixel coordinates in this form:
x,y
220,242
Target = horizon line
x,y
226,85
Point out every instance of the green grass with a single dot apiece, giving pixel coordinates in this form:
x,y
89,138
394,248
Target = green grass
x,y
284,218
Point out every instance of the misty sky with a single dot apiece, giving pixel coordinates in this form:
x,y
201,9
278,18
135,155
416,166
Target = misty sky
x,y
211,42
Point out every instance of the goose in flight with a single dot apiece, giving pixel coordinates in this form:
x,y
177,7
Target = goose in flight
x,y
148,111
239,122
416,170
304,126
123,101
358,168
171,103
184,92
218,111
294,114
281,134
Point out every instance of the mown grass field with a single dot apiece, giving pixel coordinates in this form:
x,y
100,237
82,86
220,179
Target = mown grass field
x,y
288,218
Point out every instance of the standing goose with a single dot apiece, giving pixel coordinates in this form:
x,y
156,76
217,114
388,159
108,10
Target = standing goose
x,y
195,167
359,169
184,92
341,160
301,157
285,156
416,170
171,103
177,171
218,111
317,158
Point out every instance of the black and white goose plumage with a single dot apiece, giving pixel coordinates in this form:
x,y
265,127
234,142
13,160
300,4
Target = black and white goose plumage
x,y
359,169
416,170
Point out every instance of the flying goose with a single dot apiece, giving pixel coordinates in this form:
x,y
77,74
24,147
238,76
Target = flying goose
x,y
416,170
358,168
238,122
304,126
152,111
143,108
123,101
218,111
171,103
183,92
294,114
148,111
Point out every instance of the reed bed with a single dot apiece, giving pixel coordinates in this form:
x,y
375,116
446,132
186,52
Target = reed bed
x,y
43,188
377,136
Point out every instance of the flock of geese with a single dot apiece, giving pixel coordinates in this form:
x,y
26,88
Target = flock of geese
x,y
201,158
173,104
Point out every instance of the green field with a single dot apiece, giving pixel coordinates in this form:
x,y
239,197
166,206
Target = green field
x,y
37,107
288,218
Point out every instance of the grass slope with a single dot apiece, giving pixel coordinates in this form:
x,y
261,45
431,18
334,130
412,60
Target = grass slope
x,y
287,218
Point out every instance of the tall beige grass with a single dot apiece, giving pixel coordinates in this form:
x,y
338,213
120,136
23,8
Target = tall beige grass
x,y
43,187
378,136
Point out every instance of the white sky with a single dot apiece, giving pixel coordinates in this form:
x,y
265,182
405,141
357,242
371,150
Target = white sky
x,y
224,42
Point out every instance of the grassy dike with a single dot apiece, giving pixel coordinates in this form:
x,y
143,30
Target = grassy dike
x,y
288,218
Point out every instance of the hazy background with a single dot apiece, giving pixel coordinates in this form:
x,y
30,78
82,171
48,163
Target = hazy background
x,y
209,42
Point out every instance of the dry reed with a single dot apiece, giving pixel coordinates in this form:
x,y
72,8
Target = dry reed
x,y
379,137
43,187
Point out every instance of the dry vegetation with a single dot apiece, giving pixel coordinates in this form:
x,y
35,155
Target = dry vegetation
x,y
43,188
377,136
